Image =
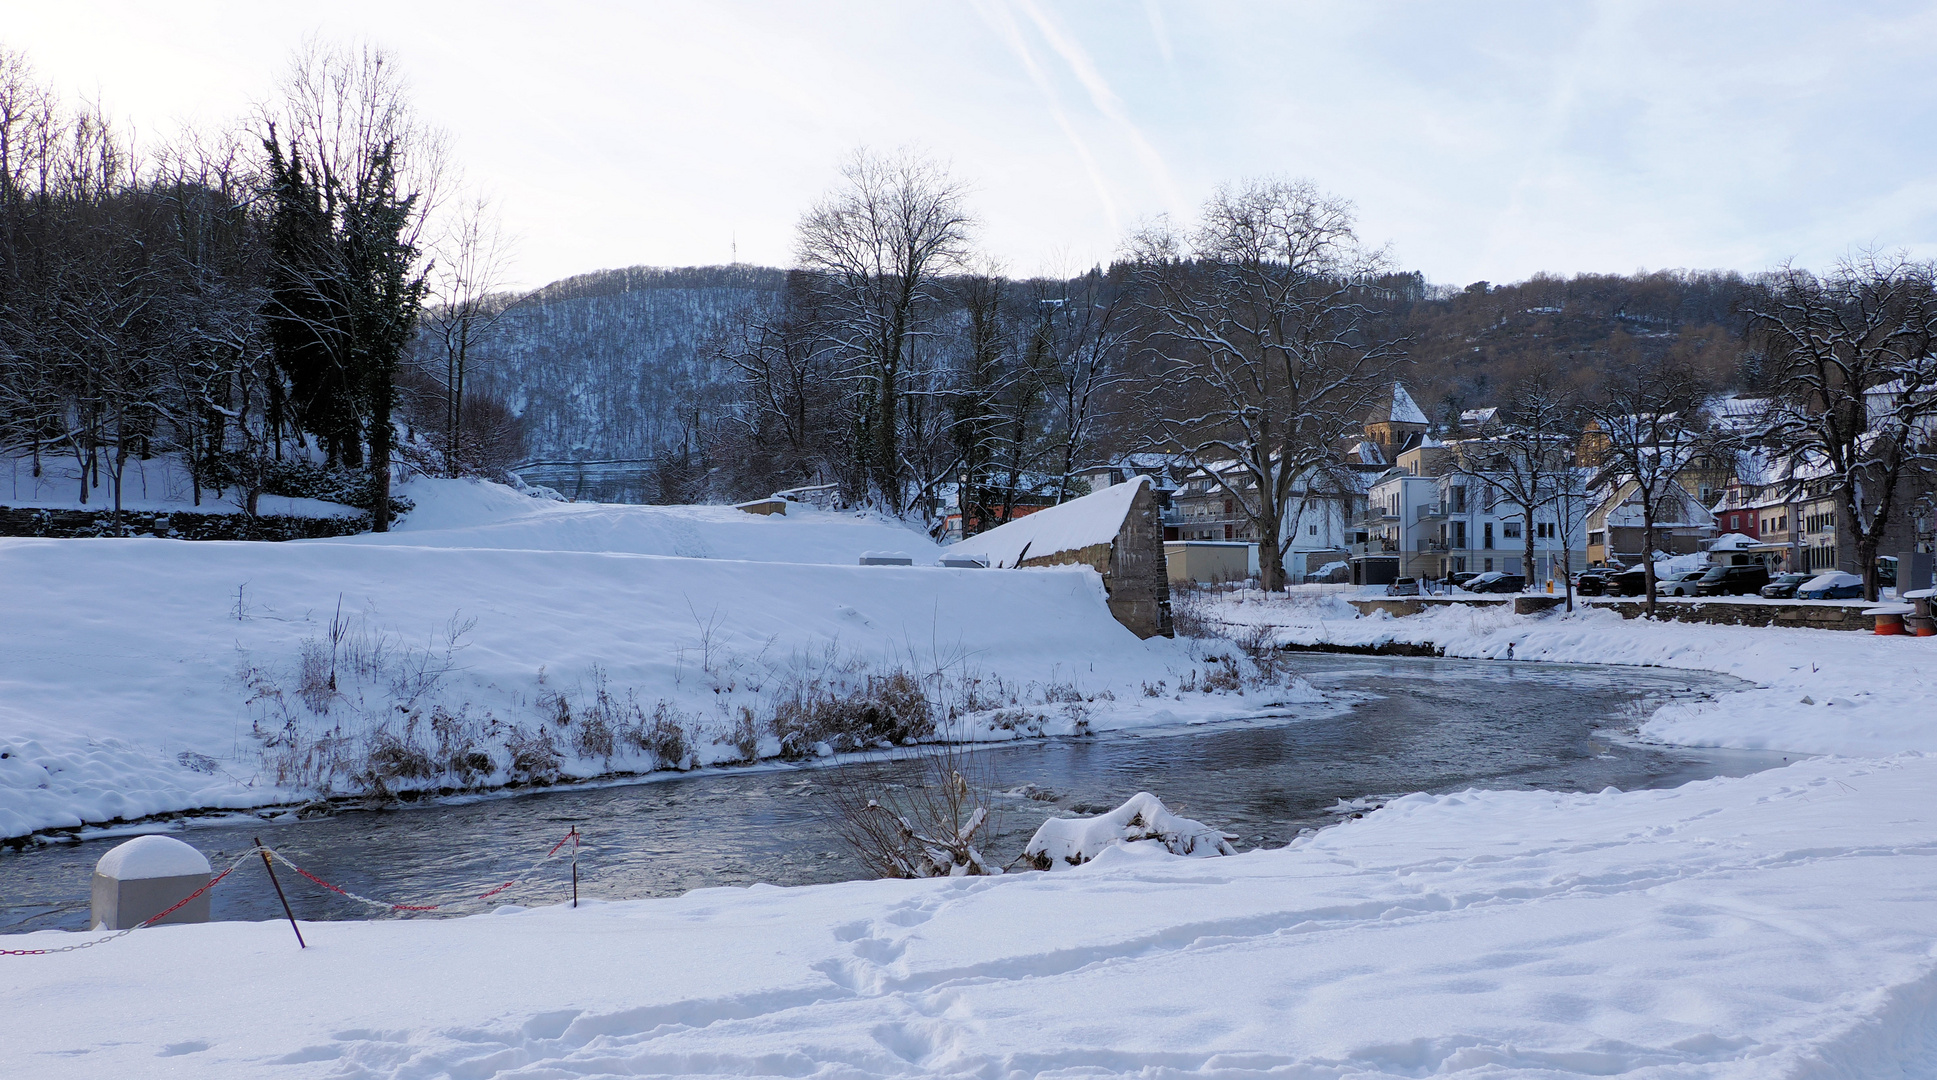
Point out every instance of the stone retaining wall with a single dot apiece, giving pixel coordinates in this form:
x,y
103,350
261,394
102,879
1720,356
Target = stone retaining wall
x,y
1817,616
179,525
1401,606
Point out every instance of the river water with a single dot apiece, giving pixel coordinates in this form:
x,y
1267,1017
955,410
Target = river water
x,y
1417,725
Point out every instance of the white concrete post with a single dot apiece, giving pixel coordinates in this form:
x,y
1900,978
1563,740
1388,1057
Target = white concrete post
x,y
145,876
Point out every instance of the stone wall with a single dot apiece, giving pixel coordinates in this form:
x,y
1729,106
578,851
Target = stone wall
x,y
1133,569
1817,616
179,525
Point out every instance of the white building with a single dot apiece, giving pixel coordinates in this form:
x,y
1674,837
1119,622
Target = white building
x,y
1426,519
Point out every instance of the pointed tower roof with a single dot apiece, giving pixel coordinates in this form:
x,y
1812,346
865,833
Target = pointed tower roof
x,y
1397,407
1404,409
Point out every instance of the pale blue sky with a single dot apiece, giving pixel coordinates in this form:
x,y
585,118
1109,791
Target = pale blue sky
x,y
1485,140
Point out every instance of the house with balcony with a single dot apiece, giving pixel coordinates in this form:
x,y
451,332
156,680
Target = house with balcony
x,y
1318,523
1437,513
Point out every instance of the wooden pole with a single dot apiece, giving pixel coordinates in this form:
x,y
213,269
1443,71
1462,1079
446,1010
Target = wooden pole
x,y
271,867
574,866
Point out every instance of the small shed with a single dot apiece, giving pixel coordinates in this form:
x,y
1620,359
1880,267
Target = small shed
x,y
1209,562
1119,532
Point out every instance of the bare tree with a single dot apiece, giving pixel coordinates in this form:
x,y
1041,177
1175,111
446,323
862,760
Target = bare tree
x,y
1091,330
1650,425
467,307
1528,457
1855,384
1267,346
878,246
785,426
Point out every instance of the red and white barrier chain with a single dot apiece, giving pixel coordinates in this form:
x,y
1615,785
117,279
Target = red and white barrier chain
x,y
571,838
149,921
254,852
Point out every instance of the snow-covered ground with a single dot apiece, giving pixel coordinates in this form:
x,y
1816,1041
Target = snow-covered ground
x,y
1777,925
498,638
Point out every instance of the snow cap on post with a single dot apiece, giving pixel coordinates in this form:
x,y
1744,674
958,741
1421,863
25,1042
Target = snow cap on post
x,y
151,857
138,880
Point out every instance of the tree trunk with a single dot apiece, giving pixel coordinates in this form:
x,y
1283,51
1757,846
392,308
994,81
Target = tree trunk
x,y
1527,530
1271,554
381,395
457,402
1648,552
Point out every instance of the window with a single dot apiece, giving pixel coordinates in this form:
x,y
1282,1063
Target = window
x,y
1735,521
1511,529
1312,530
1227,532
1489,543
1459,499
1227,508
1544,529
1489,565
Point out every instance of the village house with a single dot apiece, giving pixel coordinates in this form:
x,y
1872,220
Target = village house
x,y
1436,513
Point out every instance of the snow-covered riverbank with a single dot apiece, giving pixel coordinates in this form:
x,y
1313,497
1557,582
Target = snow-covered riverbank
x,y
502,639
1777,925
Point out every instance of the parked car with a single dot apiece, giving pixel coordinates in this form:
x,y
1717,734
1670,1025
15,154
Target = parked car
x,y
1592,581
1834,585
1682,584
1783,586
1404,586
1627,583
1459,580
1493,581
1743,580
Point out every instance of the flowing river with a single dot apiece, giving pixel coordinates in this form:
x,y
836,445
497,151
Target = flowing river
x,y
1417,725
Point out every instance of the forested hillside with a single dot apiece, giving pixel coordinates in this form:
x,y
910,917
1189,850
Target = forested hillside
x,y
609,364
1468,346
613,364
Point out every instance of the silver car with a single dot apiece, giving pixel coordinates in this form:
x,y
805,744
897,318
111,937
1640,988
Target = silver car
x,y
1680,584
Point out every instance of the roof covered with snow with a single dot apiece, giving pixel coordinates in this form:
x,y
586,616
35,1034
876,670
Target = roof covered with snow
x,y
1397,408
1076,524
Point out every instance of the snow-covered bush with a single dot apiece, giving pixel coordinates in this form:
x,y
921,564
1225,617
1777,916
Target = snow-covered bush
x,y
1065,842
924,826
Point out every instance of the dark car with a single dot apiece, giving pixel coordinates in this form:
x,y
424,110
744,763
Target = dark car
x,y
1745,580
1628,582
1459,580
1592,582
1682,584
1493,581
1831,585
1784,586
